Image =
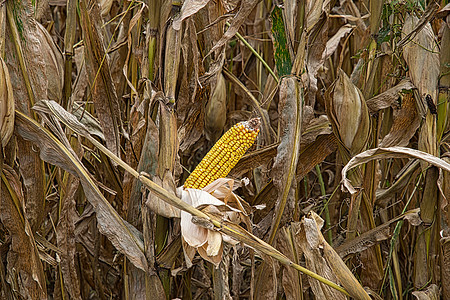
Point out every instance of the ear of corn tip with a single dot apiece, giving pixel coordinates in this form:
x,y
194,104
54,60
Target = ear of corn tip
x,y
225,154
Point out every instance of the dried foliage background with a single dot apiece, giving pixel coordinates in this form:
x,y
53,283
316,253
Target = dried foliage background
x,y
106,106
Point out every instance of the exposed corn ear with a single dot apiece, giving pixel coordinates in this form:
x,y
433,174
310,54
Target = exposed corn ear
x,y
224,155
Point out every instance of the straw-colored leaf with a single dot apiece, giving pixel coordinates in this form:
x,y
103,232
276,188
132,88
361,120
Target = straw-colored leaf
x,y
392,152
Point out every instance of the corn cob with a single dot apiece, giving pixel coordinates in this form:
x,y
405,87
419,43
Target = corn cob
x,y
224,155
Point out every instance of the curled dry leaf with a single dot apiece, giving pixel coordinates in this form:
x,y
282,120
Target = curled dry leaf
x,y
392,152
189,8
348,113
6,105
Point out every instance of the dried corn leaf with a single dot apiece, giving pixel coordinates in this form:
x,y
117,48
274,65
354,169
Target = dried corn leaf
x,y
65,237
122,235
6,105
389,98
101,83
406,122
423,64
430,293
25,272
307,237
189,8
392,152
239,19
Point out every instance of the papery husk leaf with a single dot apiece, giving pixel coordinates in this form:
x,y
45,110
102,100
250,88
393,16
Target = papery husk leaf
x,y
216,110
347,110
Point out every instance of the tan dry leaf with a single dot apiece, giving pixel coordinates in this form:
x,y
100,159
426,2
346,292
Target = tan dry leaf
x,y
334,41
239,19
65,238
6,105
159,206
122,235
389,97
171,62
392,152
189,8
307,237
421,55
54,64
406,122
103,90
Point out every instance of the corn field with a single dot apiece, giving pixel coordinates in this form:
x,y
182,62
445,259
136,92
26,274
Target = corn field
x,y
334,184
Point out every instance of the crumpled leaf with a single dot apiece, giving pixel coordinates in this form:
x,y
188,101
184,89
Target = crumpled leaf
x,y
389,97
313,243
239,19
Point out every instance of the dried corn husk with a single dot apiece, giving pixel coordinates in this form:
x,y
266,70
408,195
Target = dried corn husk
x,y
348,113
216,110
6,104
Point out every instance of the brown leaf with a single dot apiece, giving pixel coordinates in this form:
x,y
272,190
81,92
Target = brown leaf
x,y
101,83
389,97
122,235
65,237
24,267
